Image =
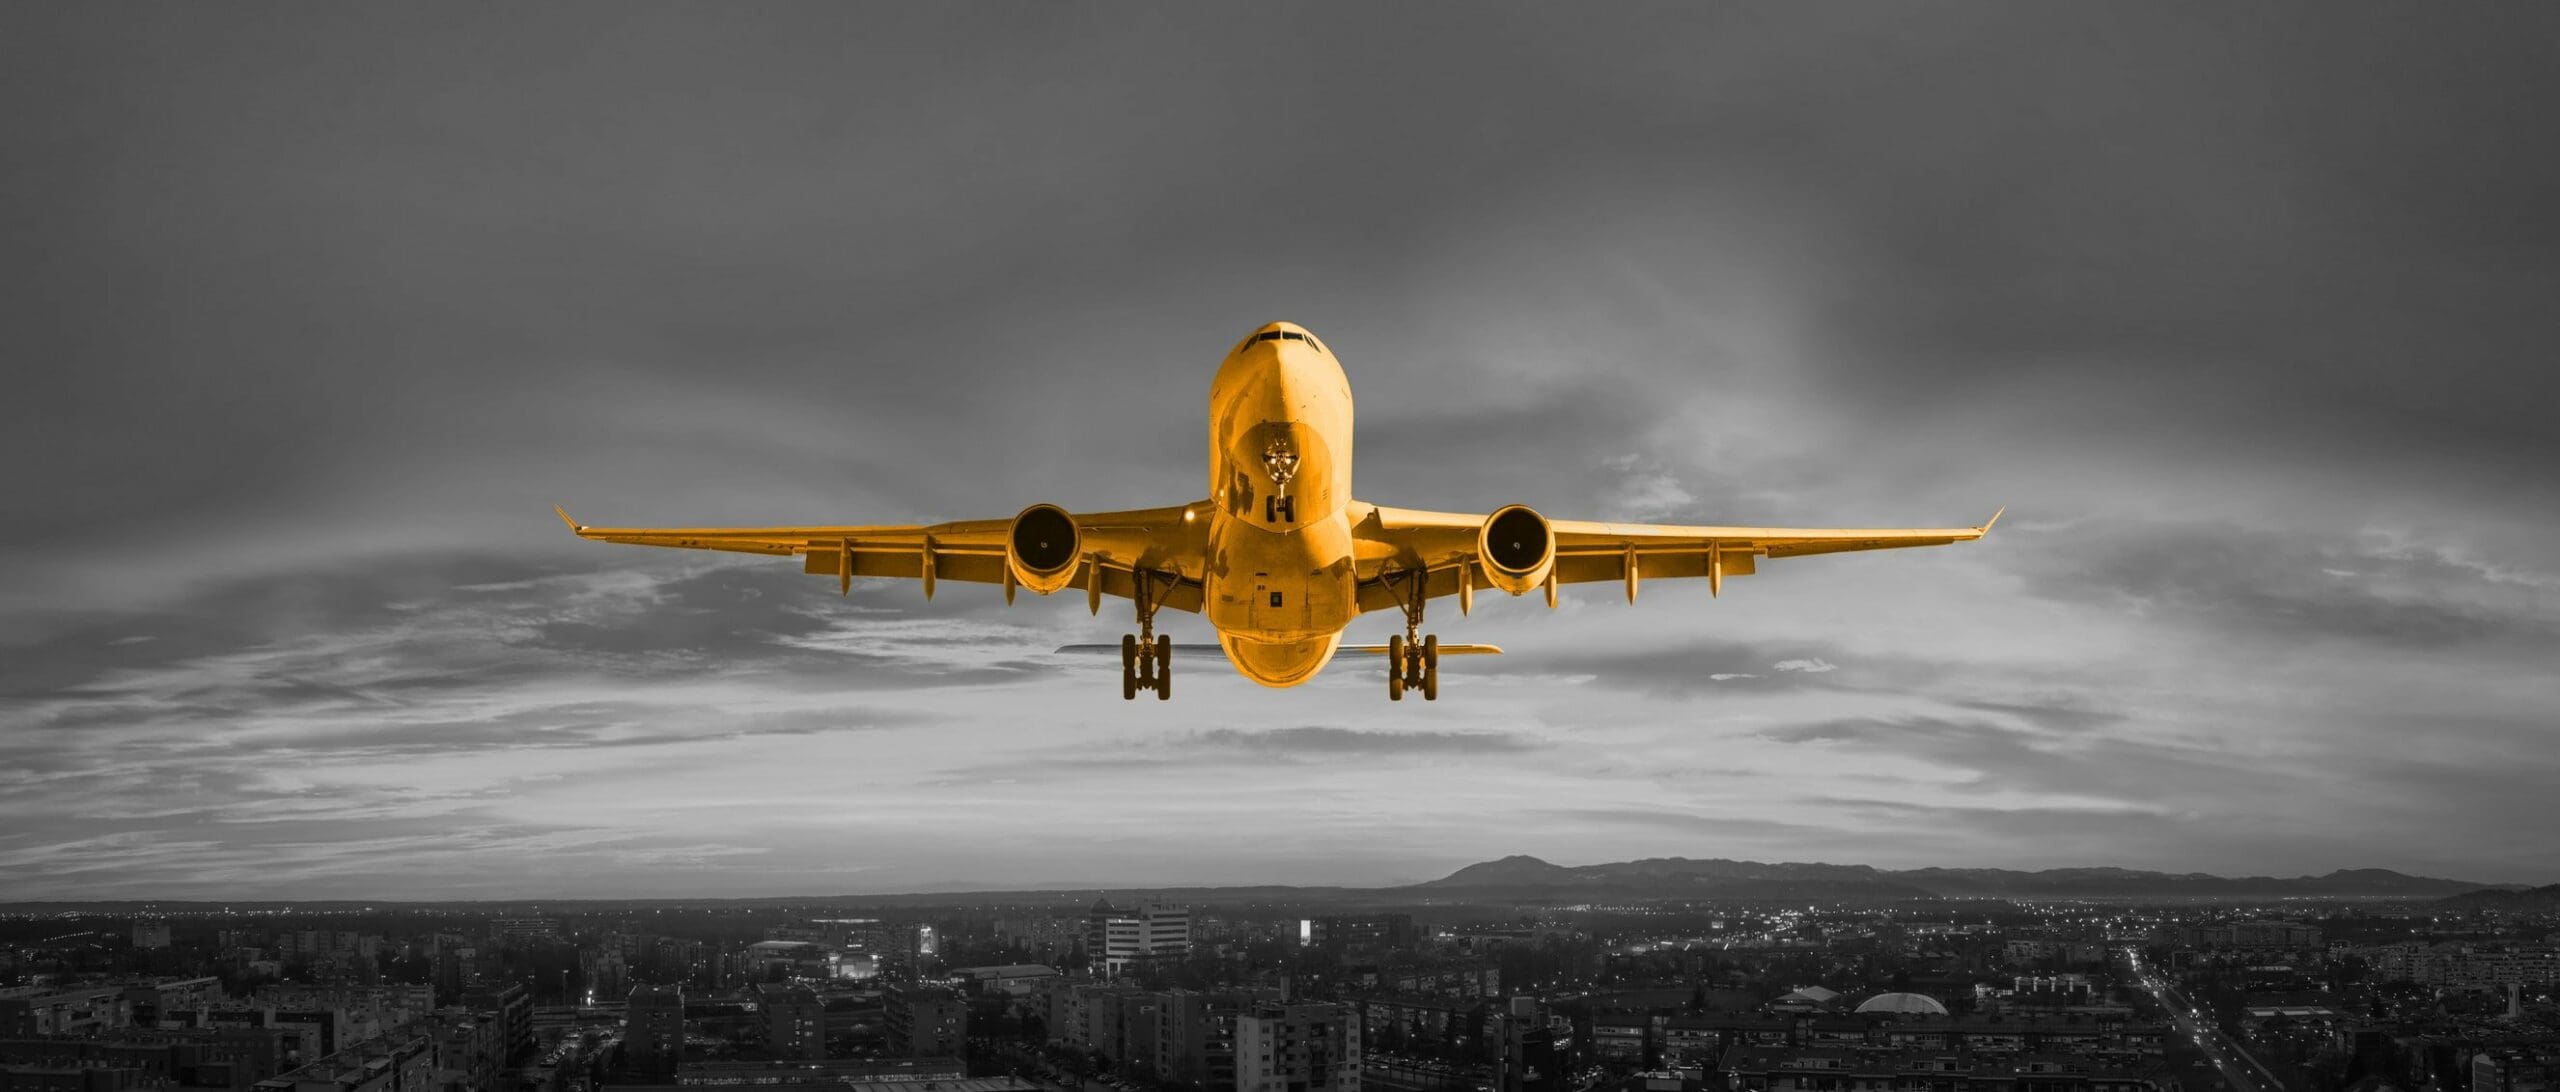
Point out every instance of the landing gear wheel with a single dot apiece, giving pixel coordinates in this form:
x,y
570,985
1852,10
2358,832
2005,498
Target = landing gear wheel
x,y
1431,668
1395,668
1128,667
1164,669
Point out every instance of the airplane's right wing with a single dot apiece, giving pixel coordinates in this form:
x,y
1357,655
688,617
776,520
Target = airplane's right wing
x,y
1111,549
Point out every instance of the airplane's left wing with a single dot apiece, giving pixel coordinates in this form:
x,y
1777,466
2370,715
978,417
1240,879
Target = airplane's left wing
x,y
1112,550
1444,548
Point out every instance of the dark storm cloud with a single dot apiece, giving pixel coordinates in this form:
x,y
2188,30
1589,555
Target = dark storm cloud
x,y
2294,228
343,228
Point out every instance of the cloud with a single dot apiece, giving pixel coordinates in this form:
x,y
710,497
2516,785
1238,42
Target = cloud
x,y
1330,741
1695,664
2262,584
1721,826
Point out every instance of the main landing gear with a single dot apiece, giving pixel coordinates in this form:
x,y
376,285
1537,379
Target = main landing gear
x,y
1413,663
1146,660
1413,666
1146,664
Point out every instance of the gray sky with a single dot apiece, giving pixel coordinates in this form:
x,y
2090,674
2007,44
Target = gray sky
x,y
2245,313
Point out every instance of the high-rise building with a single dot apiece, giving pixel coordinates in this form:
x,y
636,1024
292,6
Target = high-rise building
x,y
402,1060
653,1031
513,1006
1120,1024
1527,1062
795,1022
51,1010
1367,932
1116,940
925,1020
1196,1035
1298,1047
603,973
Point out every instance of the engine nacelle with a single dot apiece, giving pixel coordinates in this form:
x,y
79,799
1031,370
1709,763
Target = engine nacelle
x,y
1517,547
1043,548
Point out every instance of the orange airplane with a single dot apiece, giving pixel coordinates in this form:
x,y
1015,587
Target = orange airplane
x,y
1280,557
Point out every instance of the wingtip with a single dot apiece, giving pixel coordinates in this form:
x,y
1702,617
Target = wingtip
x,y
1995,518
564,518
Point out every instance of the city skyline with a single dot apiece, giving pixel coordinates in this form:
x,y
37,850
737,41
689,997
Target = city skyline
x,y
2241,313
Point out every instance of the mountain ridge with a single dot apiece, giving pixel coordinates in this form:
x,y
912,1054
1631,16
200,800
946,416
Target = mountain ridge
x,y
1677,877
2546,897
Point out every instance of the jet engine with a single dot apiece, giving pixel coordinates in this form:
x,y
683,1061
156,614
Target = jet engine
x,y
1518,549
1043,549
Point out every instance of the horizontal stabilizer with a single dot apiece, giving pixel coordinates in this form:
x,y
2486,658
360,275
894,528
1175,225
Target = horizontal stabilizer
x,y
1114,650
1359,650
1445,650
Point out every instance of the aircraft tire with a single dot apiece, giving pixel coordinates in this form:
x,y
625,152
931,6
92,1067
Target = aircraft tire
x,y
1395,668
1430,667
1164,668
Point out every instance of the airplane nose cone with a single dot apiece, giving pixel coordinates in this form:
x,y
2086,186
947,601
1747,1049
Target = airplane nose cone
x,y
1279,663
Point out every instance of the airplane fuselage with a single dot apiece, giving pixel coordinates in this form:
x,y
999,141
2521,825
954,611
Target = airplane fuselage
x,y
1280,579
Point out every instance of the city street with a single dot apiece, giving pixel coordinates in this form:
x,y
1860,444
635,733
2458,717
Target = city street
x,y
2240,1072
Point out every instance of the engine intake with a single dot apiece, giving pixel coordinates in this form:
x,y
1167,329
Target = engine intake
x,y
1518,548
1043,549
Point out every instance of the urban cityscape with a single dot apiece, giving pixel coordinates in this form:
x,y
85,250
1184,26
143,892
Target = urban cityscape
x,y
1505,977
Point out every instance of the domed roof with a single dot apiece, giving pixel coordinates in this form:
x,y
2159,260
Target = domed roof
x,y
1903,1002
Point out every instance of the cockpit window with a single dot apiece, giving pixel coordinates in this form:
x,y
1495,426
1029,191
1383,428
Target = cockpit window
x,y
1291,335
